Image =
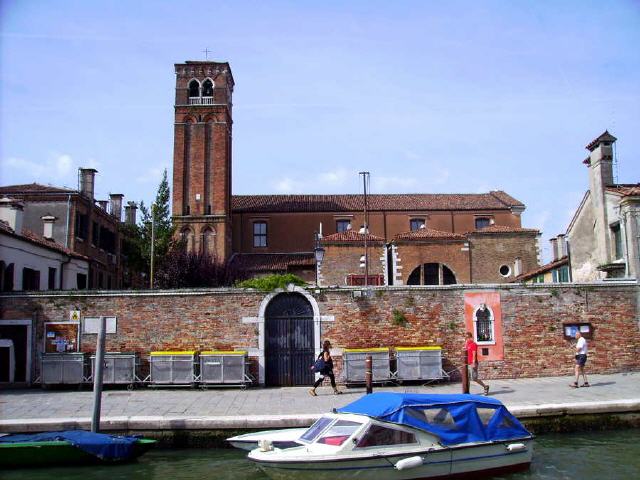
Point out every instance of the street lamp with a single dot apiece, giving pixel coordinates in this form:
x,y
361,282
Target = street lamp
x,y
318,251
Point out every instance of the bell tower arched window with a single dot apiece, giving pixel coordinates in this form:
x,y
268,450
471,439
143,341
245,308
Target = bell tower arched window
x,y
207,88
194,88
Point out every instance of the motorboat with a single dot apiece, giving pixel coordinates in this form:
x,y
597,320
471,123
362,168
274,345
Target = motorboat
x,y
283,438
404,436
71,447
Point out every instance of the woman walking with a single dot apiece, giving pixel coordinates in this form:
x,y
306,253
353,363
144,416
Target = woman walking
x,y
325,362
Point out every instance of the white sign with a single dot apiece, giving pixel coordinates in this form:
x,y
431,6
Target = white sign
x,y
74,315
92,325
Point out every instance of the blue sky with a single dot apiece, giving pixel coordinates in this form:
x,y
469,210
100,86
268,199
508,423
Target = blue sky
x,y
428,96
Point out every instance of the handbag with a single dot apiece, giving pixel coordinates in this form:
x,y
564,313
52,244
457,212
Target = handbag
x,y
319,364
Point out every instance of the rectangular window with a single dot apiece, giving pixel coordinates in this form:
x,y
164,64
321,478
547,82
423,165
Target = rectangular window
x,y
52,278
343,225
358,280
95,234
81,281
82,226
260,234
617,241
482,222
30,279
416,223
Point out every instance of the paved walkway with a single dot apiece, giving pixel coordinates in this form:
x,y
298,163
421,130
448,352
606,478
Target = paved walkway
x,y
148,408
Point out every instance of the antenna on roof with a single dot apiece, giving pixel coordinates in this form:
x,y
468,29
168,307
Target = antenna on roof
x,y
206,52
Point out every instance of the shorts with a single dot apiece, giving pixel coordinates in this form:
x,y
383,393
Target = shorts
x,y
473,372
581,359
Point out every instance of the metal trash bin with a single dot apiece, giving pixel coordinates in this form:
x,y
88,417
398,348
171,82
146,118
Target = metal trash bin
x,y
223,367
354,364
62,368
419,363
172,368
118,369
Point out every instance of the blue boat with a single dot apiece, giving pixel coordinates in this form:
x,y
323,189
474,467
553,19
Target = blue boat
x,y
405,436
72,447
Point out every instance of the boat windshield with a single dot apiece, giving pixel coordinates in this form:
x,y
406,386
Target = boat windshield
x,y
339,432
316,429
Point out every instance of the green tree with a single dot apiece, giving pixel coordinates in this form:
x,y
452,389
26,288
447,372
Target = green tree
x,y
137,244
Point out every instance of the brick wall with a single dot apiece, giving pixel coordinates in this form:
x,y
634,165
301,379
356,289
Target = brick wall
x,y
532,319
489,251
455,255
343,259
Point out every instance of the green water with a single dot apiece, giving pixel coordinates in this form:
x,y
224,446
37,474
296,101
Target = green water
x,y
600,455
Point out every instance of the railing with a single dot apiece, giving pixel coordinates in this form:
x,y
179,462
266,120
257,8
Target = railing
x,y
200,100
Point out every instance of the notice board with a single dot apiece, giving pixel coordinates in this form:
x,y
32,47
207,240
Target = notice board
x,y
61,337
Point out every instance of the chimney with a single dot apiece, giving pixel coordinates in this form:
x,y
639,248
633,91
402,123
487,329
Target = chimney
x,y
554,249
11,211
130,213
116,205
48,221
87,181
103,204
562,246
600,164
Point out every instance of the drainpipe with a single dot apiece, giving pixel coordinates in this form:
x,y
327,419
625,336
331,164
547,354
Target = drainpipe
x,y
66,240
62,264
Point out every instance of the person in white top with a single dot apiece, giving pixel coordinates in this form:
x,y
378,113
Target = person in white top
x,y
581,360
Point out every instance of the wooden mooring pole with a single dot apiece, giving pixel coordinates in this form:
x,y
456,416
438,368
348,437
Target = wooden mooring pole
x,y
97,376
368,373
465,372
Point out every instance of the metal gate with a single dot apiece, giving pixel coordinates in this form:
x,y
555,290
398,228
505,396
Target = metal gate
x,y
289,341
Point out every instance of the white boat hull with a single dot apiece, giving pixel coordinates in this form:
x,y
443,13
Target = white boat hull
x,y
283,438
478,460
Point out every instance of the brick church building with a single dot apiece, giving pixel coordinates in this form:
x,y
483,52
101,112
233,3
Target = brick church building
x,y
414,239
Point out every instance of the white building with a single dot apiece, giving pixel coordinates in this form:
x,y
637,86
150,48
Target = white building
x,y
604,234
29,261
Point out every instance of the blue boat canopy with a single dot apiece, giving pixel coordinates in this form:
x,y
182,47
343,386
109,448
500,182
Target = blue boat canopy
x,y
101,445
454,419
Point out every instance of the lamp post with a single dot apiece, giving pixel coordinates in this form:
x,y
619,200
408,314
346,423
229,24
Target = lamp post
x,y
318,251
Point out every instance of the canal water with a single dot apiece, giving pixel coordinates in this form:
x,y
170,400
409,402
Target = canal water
x,y
585,456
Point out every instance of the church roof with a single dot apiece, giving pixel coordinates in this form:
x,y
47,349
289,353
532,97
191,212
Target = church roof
x,y
33,188
428,234
380,202
351,236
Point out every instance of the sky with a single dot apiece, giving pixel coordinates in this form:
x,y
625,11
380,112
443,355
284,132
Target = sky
x,y
428,96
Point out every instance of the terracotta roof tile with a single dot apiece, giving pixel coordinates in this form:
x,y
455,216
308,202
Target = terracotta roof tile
x,y
492,229
543,269
625,190
31,237
351,236
389,202
429,234
605,137
33,188
272,262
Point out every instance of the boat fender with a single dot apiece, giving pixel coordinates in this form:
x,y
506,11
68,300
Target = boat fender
x,y
407,463
516,447
265,445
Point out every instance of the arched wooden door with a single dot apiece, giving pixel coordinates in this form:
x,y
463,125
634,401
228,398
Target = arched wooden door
x,y
289,342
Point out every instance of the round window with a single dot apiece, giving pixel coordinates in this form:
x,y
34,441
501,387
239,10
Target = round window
x,y
505,271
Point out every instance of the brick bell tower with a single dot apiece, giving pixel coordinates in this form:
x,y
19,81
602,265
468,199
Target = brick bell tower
x,y
202,157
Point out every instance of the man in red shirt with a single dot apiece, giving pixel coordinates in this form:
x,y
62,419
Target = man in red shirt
x,y
472,359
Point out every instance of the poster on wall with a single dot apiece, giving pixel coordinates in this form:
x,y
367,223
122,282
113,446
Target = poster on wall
x,y
483,317
61,337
